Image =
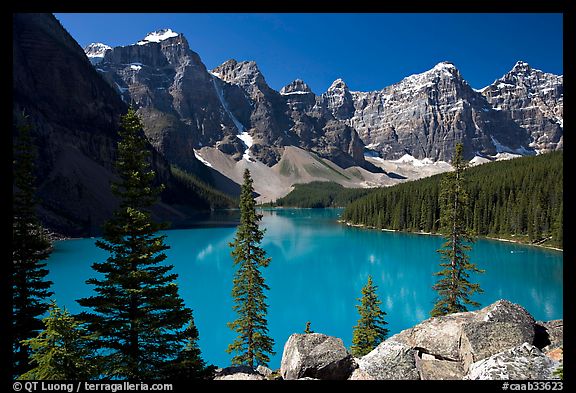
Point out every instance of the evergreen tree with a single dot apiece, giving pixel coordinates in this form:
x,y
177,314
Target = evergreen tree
x,y
454,289
138,315
30,247
370,330
252,342
61,351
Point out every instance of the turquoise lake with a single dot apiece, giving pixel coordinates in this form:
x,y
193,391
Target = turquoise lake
x,y
317,271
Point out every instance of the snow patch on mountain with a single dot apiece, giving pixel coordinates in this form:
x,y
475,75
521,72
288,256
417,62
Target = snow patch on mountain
x,y
158,36
224,104
202,160
248,142
408,159
500,148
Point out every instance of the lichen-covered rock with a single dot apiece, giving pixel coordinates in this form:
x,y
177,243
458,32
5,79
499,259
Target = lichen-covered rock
x,y
390,360
439,336
556,354
504,311
316,355
480,340
435,369
360,375
442,336
524,362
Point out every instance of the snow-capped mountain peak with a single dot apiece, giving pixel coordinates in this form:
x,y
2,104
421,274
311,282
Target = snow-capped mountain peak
x,y
444,65
96,51
521,66
416,83
158,36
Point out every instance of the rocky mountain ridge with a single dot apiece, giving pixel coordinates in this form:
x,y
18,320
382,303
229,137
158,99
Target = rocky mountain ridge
x,y
184,106
535,101
423,115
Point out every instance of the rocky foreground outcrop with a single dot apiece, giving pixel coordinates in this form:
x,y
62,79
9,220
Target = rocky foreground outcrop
x,y
499,342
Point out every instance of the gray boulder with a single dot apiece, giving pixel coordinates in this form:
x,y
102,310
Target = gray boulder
x,y
504,311
520,363
315,355
435,369
240,373
442,336
390,360
360,375
439,336
265,371
480,340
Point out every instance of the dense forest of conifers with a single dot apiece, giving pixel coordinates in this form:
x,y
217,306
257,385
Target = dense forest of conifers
x,y
320,194
215,198
520,198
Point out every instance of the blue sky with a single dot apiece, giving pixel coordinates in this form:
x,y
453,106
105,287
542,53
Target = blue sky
x,y
368,51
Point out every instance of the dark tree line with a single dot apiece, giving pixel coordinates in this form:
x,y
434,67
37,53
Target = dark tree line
x,y
215,198
30,247
320,194
522,198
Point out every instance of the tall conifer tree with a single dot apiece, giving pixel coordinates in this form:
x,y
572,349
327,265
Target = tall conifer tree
x,y
138,316
454,289
370,330
252,343
30,246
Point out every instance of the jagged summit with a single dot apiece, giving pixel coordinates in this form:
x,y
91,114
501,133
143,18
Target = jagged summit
x,y
297,86
243,73
158,36
521,66
96,51
338,84
444,68
445,65
537,100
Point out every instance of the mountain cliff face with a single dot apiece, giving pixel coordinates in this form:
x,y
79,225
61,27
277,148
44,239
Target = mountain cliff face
x,y
535,101
186,107
74,115
425,115
174,94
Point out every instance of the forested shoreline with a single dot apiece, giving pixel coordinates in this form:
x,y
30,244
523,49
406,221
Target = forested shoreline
x,y
519,199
